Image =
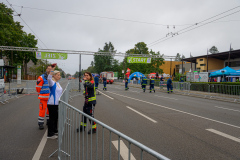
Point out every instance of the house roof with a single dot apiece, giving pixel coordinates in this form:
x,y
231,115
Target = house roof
x,y
222,56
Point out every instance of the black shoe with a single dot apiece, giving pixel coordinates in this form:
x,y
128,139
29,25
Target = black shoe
x,y
47,122
103,89
80,129
93,130
154,91
41,127
150,91
144,90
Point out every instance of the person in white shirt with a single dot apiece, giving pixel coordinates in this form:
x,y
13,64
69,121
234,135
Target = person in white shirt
x,y
55,93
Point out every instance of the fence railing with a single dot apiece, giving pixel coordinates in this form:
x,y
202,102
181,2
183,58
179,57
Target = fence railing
x,y
220,91
106,143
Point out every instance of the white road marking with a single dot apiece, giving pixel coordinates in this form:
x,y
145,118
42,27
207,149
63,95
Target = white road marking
x,y
123,150
142,115
224,135
178,110
40,148
227,109
106,95
167,97
134,91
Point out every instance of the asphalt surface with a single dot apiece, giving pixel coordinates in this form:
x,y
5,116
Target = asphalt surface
x,y
176,126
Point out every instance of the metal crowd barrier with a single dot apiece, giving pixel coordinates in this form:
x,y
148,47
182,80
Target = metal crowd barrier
x,y
81,145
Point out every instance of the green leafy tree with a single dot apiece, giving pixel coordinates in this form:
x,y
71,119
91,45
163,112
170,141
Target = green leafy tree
x,y
11,34
104,62
213,50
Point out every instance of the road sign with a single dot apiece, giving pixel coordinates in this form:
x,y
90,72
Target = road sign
x,y
138,60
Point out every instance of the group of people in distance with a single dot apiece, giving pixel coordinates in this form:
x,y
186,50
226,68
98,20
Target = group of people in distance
x,y
152,82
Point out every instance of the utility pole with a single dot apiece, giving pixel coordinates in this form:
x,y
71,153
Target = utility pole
x,y
229,56
207,60
79,72
182,64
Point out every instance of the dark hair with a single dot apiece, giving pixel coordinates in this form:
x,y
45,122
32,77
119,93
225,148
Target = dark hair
x,y
90,74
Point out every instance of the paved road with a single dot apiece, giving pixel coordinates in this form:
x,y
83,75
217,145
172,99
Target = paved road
x,y
179,127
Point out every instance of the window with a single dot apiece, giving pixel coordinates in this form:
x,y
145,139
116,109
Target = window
x,y
233,64
201,60
202,64
204,70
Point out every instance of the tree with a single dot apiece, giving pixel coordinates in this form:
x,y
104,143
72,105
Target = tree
x,y
104,62
11,34
213,50
179,57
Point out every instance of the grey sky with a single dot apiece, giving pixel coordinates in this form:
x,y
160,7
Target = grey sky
x,y
88,33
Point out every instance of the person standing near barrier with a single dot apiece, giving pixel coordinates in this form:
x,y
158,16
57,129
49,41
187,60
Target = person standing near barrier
x,y
126,83
53,101
161,82
181,80
152,82
144,83
169,85
42,88
89,104
96,80
104,83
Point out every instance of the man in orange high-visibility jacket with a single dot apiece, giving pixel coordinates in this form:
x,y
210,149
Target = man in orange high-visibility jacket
x,y
42,88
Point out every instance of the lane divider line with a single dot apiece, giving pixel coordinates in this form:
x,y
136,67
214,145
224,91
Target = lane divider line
x,y
227,109
178,111
106,95
142,114
167,97
40,148
224,135
123,150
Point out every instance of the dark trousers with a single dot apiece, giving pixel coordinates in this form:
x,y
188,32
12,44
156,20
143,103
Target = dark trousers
x,y
151,87
96,85
169,87
126,85
143,86
105,84
53,119
89,110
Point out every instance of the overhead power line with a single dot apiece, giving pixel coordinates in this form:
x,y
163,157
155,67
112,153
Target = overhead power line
x,y
26,24
110,18
196,24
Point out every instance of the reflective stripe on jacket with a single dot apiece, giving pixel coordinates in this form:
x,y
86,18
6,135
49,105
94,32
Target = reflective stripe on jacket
x,y
90,93
152,81
42,87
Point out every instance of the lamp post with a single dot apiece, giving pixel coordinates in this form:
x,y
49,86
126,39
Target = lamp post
x,y
198,75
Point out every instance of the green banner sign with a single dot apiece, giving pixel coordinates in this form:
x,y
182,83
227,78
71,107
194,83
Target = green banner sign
x,y
138,60
51,55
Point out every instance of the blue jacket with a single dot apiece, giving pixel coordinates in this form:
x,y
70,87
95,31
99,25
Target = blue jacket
x,y
181,79
169,81
144,81
152,81
96,79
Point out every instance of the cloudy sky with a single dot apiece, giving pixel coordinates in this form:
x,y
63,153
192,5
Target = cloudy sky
x,y
86,25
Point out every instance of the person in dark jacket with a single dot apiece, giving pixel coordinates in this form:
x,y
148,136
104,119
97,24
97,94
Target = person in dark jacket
x,y
96,80
144,83
104,83
169,85
89,104
126,83
152,82
181,80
